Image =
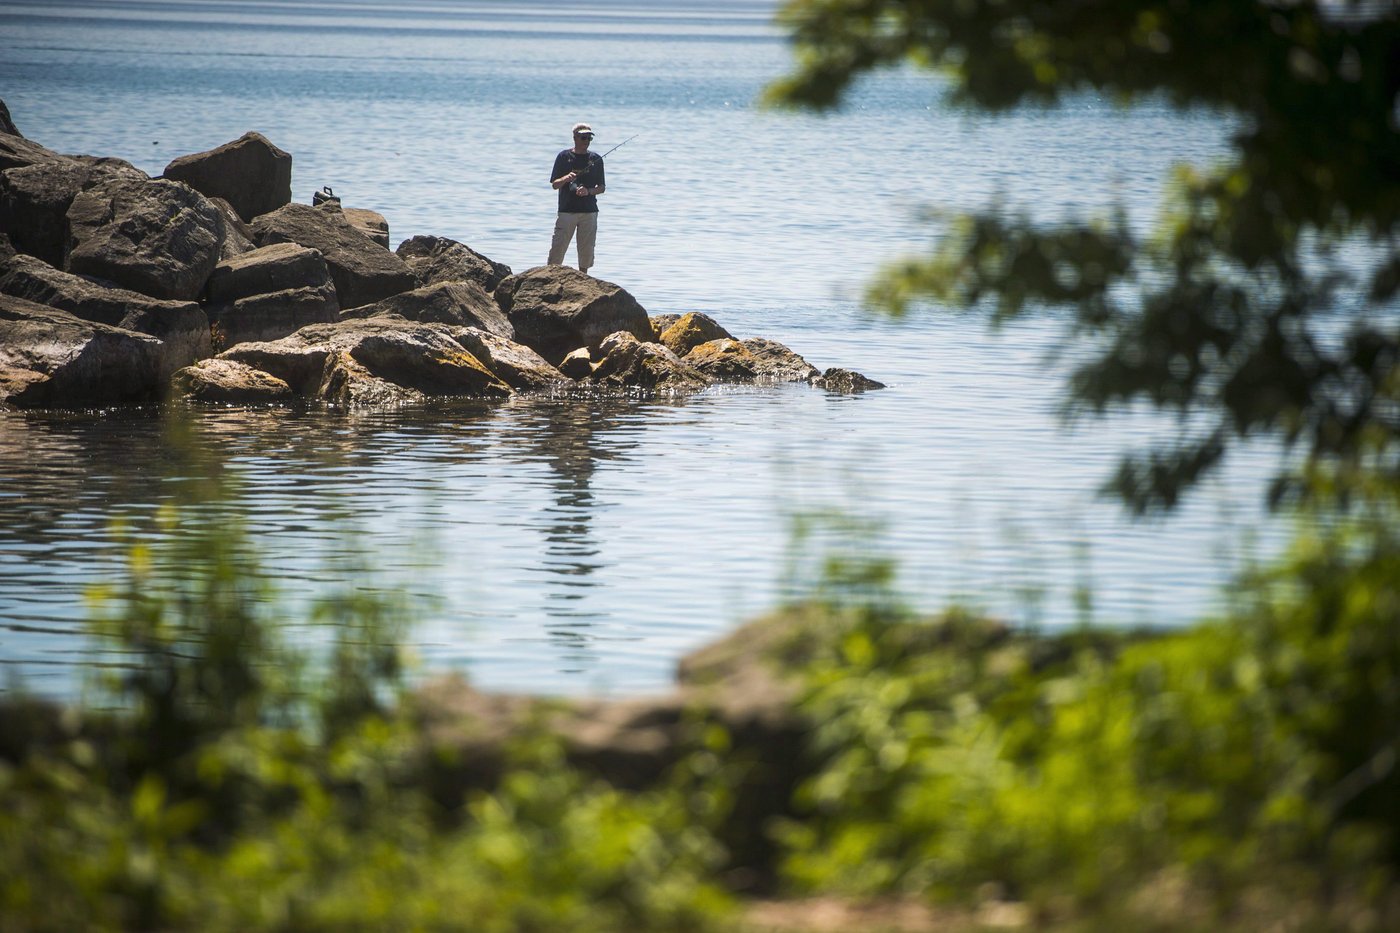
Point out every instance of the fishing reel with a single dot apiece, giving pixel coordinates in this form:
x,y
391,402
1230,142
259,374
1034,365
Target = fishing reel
x,y
578,186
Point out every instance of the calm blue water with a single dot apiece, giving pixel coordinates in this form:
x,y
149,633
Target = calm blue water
x,y
566,546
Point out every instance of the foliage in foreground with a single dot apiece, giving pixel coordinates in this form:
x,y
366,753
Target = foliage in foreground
x,y
236,786
1076,773
232,784
1265,302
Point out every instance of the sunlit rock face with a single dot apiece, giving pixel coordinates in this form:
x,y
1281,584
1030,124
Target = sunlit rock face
x,y
557,309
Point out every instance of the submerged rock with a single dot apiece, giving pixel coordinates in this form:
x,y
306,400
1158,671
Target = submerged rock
x,y
51,358
362,271
436,259
556,309
845,381
229,382
250,173
777,363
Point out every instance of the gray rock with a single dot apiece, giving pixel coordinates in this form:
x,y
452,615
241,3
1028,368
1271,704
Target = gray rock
x,y
556,309
363,272
726,360
691,330
777,363
845,381
34,202
237,235
228,382
273,315
438,259
182,326
250,173
425,358
274,268
628,363
371,223
53,359
460,303
517,365
157,237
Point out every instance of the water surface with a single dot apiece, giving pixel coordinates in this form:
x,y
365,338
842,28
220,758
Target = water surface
x,y
566,545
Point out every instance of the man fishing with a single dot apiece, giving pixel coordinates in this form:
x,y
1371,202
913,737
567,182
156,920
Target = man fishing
x,y
578,177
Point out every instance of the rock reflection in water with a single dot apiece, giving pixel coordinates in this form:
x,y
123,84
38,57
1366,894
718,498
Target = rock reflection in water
x,y
440,501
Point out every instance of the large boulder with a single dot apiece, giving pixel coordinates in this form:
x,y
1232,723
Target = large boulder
x,y
437,259
274,268
273,315
556,309
34,202
157,237
691,330
363,271
628,363
181,326
53,359
249,173
460,303
777,363
268,293
424,358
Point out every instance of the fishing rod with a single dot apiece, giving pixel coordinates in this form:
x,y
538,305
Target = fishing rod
x,y
619,146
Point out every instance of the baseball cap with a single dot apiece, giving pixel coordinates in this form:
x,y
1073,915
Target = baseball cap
x,y
583,129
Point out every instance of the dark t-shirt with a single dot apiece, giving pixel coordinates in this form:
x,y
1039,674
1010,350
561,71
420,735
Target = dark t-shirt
x,y
590,168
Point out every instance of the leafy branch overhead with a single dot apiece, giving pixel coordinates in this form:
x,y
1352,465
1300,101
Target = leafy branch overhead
x,y
1266,301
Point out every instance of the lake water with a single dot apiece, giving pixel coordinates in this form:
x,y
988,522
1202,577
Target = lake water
x,y
570,546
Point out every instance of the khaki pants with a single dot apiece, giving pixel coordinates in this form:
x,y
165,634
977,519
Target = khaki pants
x,y
564,227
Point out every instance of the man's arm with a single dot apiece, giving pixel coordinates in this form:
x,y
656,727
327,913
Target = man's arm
x,y
558,180
601,186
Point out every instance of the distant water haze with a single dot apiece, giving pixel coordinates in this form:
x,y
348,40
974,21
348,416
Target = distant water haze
x,y
566,546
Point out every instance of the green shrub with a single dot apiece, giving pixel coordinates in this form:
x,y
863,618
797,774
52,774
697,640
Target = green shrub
x,y
1079,767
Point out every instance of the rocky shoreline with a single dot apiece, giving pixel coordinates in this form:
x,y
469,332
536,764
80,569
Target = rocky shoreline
x,y
209,284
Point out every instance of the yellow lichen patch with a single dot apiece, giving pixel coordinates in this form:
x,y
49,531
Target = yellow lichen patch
x,y
725,358
690,331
